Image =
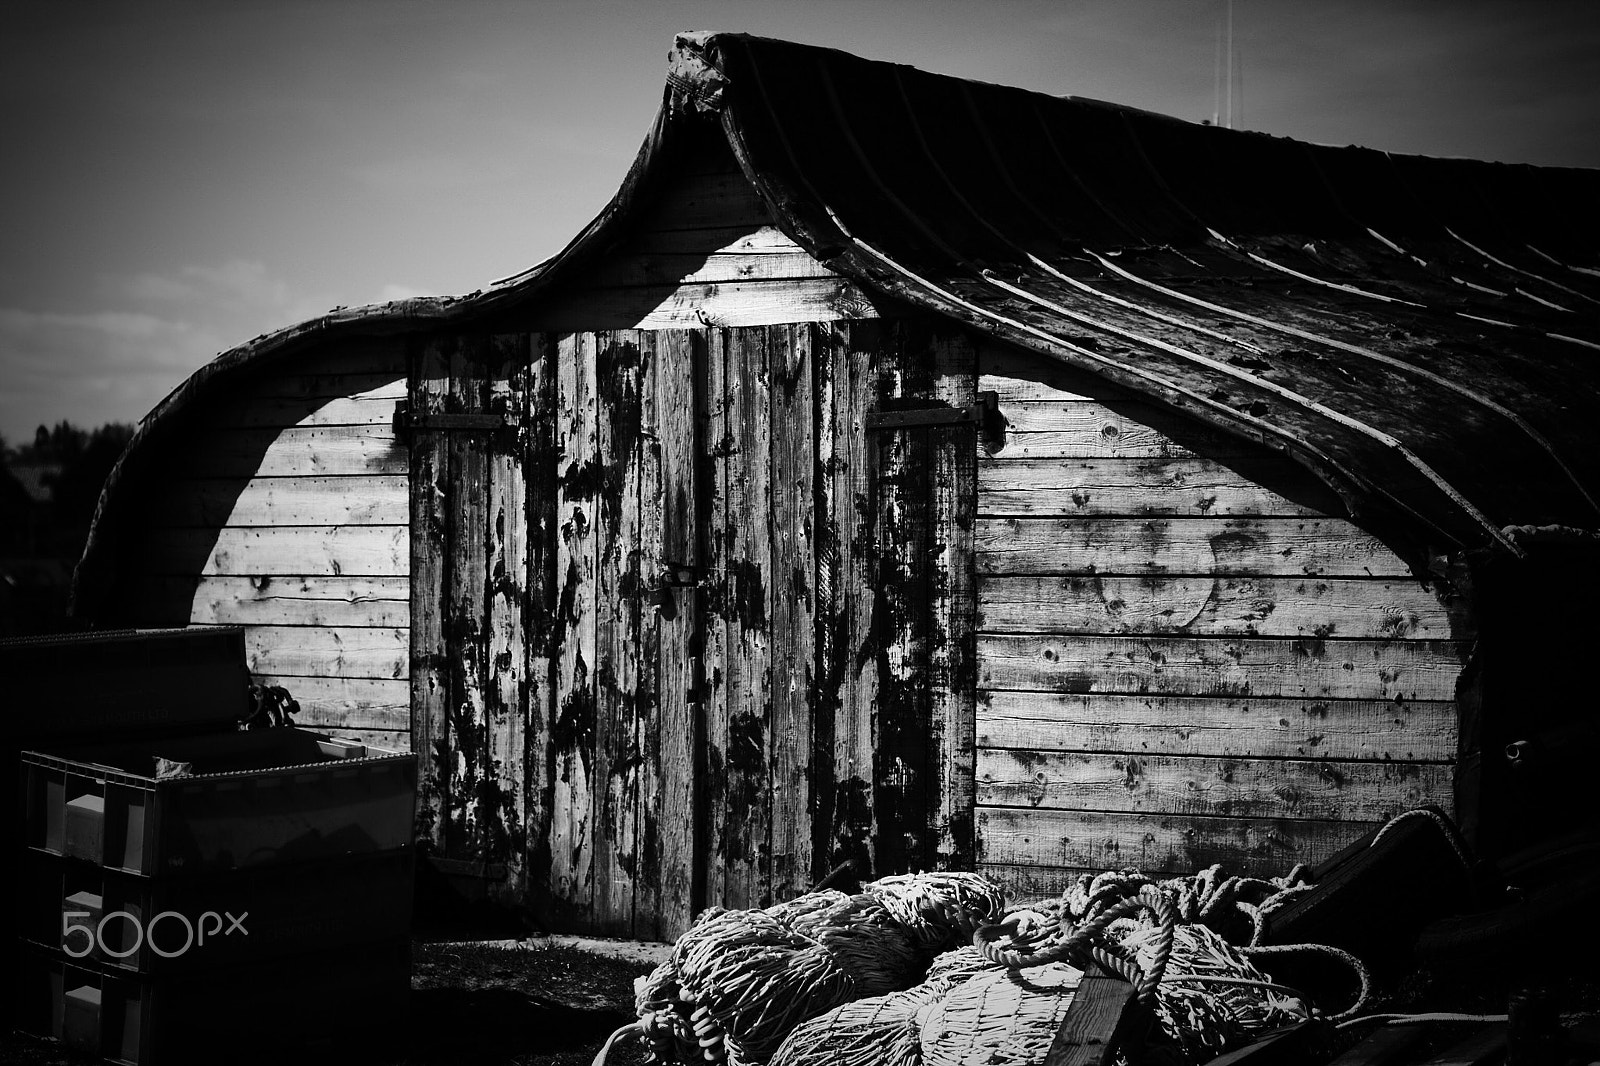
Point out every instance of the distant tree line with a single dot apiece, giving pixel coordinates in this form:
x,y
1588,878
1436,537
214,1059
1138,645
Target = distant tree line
x,y
48,492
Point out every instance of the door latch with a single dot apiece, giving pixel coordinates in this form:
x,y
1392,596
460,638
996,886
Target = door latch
x,y
671,576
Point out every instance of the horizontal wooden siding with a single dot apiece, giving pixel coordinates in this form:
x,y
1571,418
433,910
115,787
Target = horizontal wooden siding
x,y
284,509
1186,654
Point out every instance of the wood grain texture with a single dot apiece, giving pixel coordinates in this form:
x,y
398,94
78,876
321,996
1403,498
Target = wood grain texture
x,y
1141,486
348,702
360,500
507,535
572,815
293,452
1316,546
847,559
1178,624
673,792
1165,784
470,805
1157,843
1081,429
645,566
631,268
1101,1009
790,604
1217,606
541,619
900,640
428,536
294,600
372,405
952,659
1219,726
685,306
624,701
749,573
317,651
1244,666
720,846
372,551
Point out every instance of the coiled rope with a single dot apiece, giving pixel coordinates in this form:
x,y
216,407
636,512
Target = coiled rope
x,y
1087,943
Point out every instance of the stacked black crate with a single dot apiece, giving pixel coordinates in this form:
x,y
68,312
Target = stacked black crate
x,y
192,889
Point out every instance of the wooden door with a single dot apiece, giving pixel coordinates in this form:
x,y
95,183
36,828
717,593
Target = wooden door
x,y
615,854
895,601
922,430
481,597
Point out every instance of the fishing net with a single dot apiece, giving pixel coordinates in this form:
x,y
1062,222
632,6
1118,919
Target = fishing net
x,y
822,980
997,1017
879,1030
1211,997
940,909
739,982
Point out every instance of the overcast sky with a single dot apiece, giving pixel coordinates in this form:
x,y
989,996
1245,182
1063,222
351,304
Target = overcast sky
x,y
179,177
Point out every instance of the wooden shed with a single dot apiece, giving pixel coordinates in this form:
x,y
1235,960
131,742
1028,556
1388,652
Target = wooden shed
x,y
929,473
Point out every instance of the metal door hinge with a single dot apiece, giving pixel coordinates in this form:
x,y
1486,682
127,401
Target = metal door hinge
x,y
407,421
985,414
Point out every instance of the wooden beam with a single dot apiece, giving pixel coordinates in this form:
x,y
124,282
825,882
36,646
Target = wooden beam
x,y
747,880
1083,429
359,500
1238,726
282,551
621,650
1217,606
509,544
430,532
673,787
1334,669
1306,546
790,603
1142,486
952,652
572,814
1157,843
686,306
293,600
293,452
1165,784
373,405
347,702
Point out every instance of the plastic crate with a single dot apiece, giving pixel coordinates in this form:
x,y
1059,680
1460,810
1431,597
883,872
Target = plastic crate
x,y
100,684
267,1010
164,926
249,799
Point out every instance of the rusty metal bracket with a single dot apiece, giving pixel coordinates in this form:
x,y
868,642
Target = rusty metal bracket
x,y
985,414
407,421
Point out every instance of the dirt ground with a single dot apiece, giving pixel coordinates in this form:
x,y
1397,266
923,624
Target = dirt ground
x,y
472,1005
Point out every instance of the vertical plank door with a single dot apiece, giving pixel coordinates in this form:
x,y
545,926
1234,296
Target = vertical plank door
x,y
921,495
617,857
472,561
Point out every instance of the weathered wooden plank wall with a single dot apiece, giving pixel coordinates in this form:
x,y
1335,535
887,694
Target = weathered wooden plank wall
x,y
725,737
285,509
477,582
703,251
1185,654
894,572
